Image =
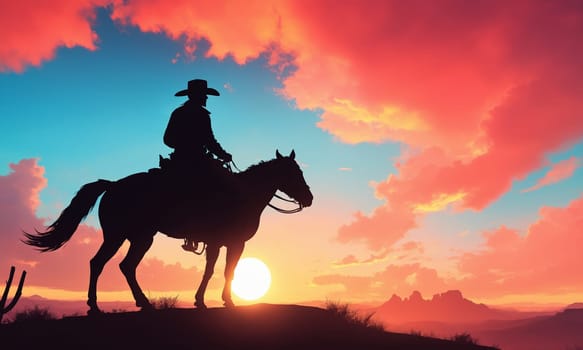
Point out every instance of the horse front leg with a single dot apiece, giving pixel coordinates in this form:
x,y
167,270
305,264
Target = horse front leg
x,y
212,253
234,252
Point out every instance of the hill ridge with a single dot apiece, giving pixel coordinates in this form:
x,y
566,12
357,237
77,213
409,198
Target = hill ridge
x,y
259,326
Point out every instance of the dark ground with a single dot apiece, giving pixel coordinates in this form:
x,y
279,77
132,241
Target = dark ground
x,y
260,326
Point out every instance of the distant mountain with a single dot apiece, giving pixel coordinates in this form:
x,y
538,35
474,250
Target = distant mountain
x,y
574,306
449,313
254,327
448,307
561,331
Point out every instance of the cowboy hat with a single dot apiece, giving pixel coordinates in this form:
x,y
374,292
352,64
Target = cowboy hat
x,y
197,86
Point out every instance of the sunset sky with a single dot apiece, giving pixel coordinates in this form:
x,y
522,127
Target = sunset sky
x,y
442,140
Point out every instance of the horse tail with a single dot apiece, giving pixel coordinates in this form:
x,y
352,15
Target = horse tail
x,y
60,231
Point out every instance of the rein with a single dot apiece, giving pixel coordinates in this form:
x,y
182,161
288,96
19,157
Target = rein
x,y
286,211
279,210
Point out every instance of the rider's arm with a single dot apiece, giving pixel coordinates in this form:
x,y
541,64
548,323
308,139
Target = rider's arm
x,y
171,133
214,146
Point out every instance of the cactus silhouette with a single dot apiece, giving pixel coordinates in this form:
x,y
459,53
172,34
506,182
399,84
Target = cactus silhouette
x,y
3,308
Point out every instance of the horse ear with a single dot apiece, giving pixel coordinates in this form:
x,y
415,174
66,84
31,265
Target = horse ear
x,y
278,155
292,155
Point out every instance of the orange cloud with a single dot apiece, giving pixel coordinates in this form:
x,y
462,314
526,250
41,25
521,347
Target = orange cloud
x,y
413,246
351,260
395,279
559,172
241,30
33,30
347,261
379,231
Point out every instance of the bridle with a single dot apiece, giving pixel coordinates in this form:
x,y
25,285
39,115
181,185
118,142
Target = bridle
x,y
279,210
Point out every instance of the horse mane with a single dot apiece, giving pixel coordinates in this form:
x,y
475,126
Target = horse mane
x,y
258,166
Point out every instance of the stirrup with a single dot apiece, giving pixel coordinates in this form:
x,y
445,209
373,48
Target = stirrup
x,y
192,246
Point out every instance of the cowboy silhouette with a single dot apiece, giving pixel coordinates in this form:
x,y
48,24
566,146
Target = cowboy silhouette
x,y
190,134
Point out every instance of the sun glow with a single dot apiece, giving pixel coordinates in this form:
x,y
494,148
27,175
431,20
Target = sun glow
x,y
252,279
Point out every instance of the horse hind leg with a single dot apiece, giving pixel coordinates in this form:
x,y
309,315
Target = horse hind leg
x,y
108,248
137,250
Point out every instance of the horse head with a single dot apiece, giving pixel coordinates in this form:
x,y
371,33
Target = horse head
x,y
292,180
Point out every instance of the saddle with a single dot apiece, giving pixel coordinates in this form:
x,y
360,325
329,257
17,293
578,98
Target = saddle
x,y
209,175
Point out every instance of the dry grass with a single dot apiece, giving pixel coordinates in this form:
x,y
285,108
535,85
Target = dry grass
x,y
344,311
164,303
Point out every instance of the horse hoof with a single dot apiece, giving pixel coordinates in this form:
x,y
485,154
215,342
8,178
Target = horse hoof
x,y
145,306
229,304
94,312
143,303
200,305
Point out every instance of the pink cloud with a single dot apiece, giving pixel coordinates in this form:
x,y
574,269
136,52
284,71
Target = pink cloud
x,y
413,246
351,260
544,259
68,267
381,230
424,73
519,134
479,94
21,189
33,30
559,172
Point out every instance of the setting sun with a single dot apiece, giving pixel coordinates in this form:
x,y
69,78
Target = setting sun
x,y
252,279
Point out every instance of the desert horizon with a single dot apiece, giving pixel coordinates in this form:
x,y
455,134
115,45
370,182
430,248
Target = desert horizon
x,y
185,301
502,328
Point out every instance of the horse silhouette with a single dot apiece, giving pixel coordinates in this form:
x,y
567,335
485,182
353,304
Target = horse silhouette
x,y
140,205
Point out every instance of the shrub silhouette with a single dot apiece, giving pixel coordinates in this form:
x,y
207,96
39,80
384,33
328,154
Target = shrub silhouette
x,y
33,315
464,338
118,311
164,303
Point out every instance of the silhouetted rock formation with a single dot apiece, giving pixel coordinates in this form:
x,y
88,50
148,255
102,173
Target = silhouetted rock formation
x,y
450,306
447,314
